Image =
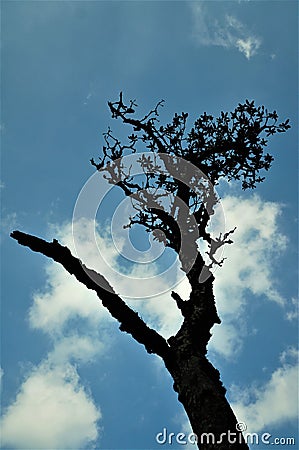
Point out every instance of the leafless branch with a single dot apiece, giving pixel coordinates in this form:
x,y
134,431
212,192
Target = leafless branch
x,y
130,321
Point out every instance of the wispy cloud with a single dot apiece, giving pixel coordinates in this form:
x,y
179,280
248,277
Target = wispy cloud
x,y
224,31
273,403
8,221
293,312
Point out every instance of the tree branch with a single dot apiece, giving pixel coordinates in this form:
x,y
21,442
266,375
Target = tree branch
x,y
130,322
121,110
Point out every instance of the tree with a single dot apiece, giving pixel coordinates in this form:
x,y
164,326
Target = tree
x,y
174,198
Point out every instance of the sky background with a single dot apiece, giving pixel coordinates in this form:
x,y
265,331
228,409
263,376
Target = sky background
x,y
69,377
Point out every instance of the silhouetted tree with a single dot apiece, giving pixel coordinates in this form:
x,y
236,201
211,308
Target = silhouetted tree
x,y
174,199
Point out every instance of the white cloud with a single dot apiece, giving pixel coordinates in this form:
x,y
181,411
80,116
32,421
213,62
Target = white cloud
x,y
161,311
273,403
185,428
289,355
63,299
227,339
42,414
9,222
87,98
257,241
293,312
226,31
51,410
248,268
248,46
82,349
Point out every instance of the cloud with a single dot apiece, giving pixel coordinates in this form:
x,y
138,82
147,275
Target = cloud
x,y
87,98
289,355
42,414
161,312
8,222
225,31
51,410
184,427
75,347
293,312
257,242
64,298
273,403
53,386
249,268
248,46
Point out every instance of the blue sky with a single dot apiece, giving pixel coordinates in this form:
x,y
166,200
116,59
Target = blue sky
x,y
70,378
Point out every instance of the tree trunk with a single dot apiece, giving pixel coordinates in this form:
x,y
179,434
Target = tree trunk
x,y
197,382
202,394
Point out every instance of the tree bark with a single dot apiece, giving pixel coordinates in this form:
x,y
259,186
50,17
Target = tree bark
x,y
202,394
196,381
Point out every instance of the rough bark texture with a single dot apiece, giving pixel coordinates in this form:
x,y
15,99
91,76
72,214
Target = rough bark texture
x,y
203,396
196,381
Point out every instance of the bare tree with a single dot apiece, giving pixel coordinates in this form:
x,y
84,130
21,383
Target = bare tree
x,y
175,199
